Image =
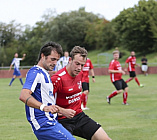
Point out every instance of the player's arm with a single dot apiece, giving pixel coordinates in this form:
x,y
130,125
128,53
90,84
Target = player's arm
x,y
125,67
93,75
24,55
137,65
116,71
10,67
29,100
69,113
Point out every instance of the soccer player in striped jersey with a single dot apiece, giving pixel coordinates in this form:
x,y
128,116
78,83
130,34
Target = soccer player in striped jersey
x,y
67,86
37,94
85,82
131,61
64,60
116,73
16,63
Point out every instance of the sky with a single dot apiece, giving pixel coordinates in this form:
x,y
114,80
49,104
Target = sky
x,y
31,11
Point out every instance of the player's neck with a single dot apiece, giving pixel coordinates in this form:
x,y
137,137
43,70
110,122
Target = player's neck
x,y
69,70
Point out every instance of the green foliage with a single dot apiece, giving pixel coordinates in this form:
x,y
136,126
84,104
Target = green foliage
x,y
70,28
9,44
135,27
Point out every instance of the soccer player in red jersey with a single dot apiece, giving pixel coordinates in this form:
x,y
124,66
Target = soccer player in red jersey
x,y
116,72
131,60
85,82
68,86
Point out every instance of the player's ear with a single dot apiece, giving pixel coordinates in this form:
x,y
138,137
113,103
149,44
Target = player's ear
x,y
42,55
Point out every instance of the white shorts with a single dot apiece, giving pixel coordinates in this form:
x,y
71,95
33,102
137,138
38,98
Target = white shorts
x,y
144,67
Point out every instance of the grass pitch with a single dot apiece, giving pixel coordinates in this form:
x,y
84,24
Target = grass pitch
x,y
137,121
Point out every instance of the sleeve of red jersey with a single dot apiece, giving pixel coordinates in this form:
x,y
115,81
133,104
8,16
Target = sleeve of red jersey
x,y
127,60
57,83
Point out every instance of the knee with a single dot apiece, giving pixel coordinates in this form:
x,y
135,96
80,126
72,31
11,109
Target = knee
x,y
126,89
119,91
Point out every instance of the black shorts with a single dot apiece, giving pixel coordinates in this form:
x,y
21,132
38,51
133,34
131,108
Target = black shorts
x,y
81,125
132,73
120,84
85,86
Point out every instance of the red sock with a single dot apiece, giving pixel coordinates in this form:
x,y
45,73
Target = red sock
x,y
125,96
114,93
85,101
128,80
137,81
82,97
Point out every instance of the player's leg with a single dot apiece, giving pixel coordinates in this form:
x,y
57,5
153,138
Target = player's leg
x,y
84,97
125,93
137,81
118,86
20,77
131,77
13,78
100,134
89,129
53,131
125,96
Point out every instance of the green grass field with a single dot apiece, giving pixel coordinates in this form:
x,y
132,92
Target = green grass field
x,y
138,121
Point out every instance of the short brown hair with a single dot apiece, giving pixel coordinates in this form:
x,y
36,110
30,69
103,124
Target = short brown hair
x,y
78,50
115,52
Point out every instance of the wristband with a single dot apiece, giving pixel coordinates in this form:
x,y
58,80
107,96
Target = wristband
x,y
42,107
93,76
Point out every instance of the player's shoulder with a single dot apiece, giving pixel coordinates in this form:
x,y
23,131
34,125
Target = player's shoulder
x,y
61,73
88,60
130,57
112,62
35,70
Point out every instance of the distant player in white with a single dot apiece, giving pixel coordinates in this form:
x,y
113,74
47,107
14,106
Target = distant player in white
x,y
16,63
62,62
65,59
37,94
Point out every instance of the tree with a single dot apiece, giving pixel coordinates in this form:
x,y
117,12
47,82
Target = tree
x,y
9,36
69,29
134,27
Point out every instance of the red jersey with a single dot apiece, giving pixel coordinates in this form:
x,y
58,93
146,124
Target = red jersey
x,y
131,60
115,65
68,90
88,65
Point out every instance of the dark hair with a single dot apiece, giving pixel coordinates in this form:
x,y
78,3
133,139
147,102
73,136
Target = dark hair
x,y
48,47
78,50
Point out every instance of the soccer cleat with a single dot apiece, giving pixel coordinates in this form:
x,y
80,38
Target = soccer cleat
x,y
125,104
85,108
108,99
141,85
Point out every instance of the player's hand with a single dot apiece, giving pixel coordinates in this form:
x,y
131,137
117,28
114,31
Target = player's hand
x,y
123,72
24,55
93,79
69,113
52,108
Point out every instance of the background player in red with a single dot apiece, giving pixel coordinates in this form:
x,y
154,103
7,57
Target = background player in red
x,y
116,72
85,82
131,60
68,86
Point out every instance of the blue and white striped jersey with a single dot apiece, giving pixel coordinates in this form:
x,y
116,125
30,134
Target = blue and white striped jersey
x,y
16,63
64,61
39,82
